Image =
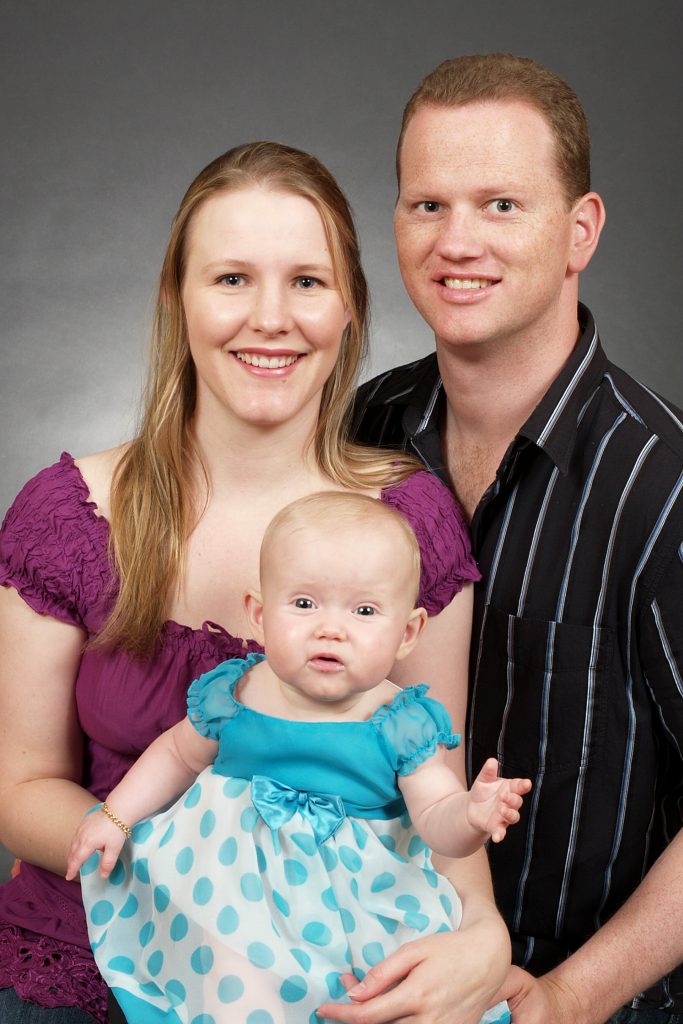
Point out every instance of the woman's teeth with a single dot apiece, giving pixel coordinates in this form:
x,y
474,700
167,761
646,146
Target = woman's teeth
x,y
266,362
467,282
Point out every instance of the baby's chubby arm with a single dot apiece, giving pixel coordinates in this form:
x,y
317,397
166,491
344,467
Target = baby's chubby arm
x,y
454,821
165,769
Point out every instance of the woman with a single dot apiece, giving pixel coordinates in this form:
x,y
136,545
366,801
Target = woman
x,y
259,331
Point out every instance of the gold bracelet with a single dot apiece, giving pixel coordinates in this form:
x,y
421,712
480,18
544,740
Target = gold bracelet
x,y
117,821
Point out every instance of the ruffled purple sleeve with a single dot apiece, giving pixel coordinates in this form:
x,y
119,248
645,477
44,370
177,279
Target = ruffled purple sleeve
x,y
441,530
53,548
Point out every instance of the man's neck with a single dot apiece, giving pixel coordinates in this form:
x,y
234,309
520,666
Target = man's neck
x,y
490,394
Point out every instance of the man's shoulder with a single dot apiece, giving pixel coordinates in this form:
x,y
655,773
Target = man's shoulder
x,y
401,382
656,414
380,403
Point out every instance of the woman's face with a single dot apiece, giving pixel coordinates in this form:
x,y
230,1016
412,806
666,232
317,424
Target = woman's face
x,y
264,313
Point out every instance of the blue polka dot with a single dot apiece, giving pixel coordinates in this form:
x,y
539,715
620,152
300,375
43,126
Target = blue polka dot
x,y
91,864
146,934
260,955
405,819
203,1018
259,1017
251,886
248,819
347,920
281,903
415,846
388,923
129,908
202,891
261,860
141,869
179,927
101,912
388,842
302,958
293,988
306,843
122,963
410,903
118,874
175,992
155,963
415,920
142,831
446,903
444,928
162,897
193,796
168,835
275,928
373,953
227,852
349,858
207,824
382,882
334,985
230,988
329,899
360,834
184,860
431,876
202,960
353,886
234,787
329,857
228,921
295,872
150,989
317,933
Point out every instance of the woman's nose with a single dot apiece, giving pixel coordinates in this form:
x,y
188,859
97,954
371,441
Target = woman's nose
x,y
270,314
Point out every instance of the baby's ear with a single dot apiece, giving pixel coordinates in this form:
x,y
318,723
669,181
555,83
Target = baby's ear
x,y
254,607
414,626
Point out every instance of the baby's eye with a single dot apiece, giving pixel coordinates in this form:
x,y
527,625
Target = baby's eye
x,y
232,280
429,206
307,283
365,609
304,602
503,205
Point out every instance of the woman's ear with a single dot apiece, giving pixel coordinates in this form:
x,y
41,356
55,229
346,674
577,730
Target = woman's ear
x,y
589,219
253,604
414,626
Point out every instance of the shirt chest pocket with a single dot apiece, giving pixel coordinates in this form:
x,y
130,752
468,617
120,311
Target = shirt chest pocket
x,y
541,693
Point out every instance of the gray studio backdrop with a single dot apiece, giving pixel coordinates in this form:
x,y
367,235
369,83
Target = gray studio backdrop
x,y
109,109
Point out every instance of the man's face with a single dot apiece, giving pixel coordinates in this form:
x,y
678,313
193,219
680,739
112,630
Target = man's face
x,y
483,228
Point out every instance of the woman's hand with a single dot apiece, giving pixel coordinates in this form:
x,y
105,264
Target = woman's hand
x,y
95,832
449,978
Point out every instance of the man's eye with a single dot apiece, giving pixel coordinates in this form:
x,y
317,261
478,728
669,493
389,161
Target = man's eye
x,y
365,609
303,602
429,206
233,280
503,205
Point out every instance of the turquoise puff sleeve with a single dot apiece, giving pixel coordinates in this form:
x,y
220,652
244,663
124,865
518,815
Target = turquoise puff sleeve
x,y
411,728
210,698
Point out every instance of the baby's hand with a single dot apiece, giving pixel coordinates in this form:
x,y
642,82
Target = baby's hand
x,y
494,802
95,832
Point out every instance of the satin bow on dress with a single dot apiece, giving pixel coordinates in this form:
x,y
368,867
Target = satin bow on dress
x,y
277,803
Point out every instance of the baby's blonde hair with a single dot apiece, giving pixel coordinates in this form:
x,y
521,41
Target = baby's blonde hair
x,y
328,511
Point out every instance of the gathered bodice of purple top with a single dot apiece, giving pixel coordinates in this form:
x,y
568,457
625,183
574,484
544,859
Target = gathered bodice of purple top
x,y
54,552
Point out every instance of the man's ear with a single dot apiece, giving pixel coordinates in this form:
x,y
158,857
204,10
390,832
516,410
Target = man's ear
x,y
589,219
414,626
253,604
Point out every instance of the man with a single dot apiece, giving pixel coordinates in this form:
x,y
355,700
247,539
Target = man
x,y
571,474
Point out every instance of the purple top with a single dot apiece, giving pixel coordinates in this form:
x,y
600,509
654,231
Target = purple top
x,y
53,550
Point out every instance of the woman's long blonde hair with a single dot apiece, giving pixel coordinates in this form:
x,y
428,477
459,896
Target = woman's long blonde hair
x,y
154,505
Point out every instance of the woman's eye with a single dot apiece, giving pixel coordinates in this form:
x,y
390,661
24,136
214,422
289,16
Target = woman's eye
x,y
303,602
429,206
365,609
306,283
503,205
232,280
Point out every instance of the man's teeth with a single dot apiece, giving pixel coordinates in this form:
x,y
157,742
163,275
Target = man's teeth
x,y
266,362
470,283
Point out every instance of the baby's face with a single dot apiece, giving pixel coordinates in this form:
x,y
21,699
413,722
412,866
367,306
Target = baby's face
x,y
335,609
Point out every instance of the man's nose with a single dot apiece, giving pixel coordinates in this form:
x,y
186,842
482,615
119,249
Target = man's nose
x,y
461,235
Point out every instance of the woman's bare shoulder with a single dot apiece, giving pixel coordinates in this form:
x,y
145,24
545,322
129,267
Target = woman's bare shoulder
x,y
97,471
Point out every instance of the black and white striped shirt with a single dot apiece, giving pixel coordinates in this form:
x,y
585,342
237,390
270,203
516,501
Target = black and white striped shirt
x,y
577,648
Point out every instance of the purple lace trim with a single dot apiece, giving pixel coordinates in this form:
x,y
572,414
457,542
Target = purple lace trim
x,y
50,973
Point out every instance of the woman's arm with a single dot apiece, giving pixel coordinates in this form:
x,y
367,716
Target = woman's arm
x,y
41,744
161,773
